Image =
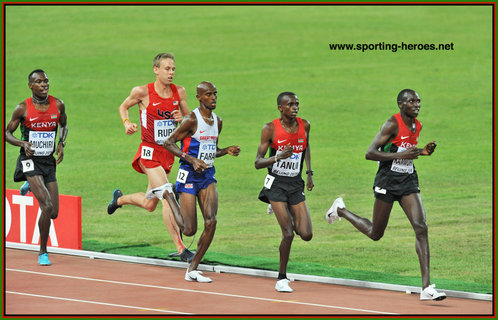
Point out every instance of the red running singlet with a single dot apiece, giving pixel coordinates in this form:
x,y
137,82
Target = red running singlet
x,y
156,121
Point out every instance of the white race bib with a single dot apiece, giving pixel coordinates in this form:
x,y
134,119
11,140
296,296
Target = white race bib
x,y
289,167
147,153
207,152
269,181
43,142
163,129
28,165
402,165
182,176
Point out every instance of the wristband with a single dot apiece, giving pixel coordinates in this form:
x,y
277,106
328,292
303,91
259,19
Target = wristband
x,y
63,143
276,159
126,120
184,155
309,171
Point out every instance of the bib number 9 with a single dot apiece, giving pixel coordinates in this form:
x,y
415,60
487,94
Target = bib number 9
x,y
28,165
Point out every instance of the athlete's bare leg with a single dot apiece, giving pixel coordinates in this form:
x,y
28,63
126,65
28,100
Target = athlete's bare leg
x,y
208,203
373,229
286,223
302,220
175,209
414,210
157,177
48,198
188,214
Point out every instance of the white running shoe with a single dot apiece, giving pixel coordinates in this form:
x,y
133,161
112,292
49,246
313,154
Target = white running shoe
x,y
282,285
331,214
430,293
269,210
195,275
159,191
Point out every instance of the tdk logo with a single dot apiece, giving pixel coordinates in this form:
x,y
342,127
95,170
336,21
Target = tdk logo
x,y
209,147
42,135
165,123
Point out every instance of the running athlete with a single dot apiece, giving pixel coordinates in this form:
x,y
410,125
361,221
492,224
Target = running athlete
x,y
198,134
395,147
288,140
162,105
39,117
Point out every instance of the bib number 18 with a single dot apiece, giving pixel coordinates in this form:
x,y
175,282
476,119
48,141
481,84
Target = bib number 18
x,y
147,153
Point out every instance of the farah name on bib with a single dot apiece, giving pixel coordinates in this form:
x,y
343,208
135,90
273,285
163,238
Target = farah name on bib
x,y
207,152
43,142
163,129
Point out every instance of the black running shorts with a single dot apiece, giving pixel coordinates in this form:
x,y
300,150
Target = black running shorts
x,y
280,191
35,166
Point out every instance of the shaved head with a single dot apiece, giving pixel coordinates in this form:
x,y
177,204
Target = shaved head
x,y
205,86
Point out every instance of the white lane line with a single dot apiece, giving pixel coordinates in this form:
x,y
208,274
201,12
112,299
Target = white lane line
x,y
95,302
200,291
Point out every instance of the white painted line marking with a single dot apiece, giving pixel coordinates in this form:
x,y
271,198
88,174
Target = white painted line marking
x,y
95,302
199,291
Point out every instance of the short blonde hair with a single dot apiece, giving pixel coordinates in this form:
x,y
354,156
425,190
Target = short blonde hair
x,y
162,56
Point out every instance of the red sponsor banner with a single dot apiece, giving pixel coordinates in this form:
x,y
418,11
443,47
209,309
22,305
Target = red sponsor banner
x,y
21,221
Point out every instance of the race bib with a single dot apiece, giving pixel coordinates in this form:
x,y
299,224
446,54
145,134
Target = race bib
x,y
163,129
207,152
402,165
269,181
147,153
27,165
289,167
182,176
43,142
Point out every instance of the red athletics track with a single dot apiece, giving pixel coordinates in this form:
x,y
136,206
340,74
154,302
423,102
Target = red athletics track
x,y
82,286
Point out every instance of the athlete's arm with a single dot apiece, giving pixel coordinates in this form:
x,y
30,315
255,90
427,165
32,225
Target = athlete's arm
x,y
186,129
387,133
183,109
267,135
62,132
19,113
428,149
136,96
307,157
231,150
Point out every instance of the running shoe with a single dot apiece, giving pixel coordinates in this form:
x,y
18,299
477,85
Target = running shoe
x,y
187,255
282,285
24,189
113,205
195,275
43,260
331,214
269,210
430,293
